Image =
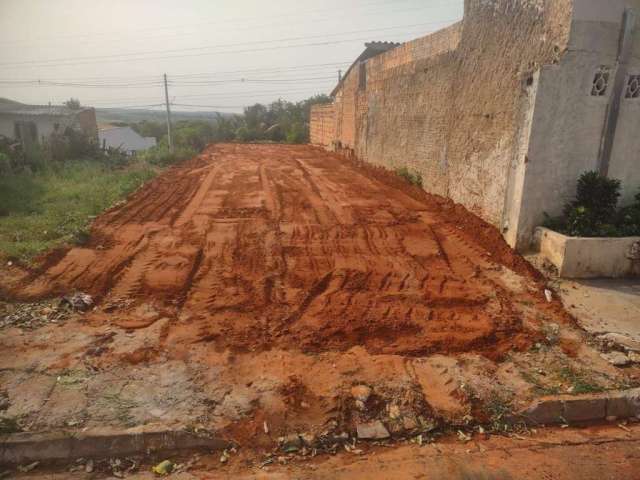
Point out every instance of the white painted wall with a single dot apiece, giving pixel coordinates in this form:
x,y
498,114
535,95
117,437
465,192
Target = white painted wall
x,y
568,122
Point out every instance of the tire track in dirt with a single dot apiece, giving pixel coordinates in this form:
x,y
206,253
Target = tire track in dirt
x,y
262,246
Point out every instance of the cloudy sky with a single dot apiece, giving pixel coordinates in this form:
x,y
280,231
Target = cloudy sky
x,y
217,54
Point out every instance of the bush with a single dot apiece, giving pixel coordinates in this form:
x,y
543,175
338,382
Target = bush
x,y
594,211
412,178
160,155
5,164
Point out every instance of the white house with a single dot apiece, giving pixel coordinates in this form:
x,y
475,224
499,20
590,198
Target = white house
x,y
124,138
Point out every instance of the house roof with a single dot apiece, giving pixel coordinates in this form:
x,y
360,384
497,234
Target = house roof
x,y
125,138
371,50
17,108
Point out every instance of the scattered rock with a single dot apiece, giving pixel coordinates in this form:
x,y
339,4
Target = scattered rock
x,y
78,301
308,439
633,356
291,443
372,431
617,359
28,468
621,340
89,466
361,392
394,411
548,295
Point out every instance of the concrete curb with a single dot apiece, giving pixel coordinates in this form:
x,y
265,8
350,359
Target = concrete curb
x,y
567,409
20,448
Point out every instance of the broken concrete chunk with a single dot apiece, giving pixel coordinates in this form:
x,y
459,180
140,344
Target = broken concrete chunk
x,y
621,340
78,301
291,443
372,431
617,359
361,392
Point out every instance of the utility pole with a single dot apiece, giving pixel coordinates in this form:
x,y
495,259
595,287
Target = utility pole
x,y
166,99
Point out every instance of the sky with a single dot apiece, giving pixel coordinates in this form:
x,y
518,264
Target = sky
x,y
217,54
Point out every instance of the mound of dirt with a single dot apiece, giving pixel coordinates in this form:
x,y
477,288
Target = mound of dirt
x,y
251,247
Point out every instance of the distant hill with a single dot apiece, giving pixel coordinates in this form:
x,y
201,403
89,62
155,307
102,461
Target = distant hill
x,y
110,115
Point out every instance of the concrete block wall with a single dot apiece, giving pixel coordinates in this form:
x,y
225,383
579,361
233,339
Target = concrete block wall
x,y
495,112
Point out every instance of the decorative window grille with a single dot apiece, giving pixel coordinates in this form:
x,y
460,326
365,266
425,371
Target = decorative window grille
x,y
633,87
600,82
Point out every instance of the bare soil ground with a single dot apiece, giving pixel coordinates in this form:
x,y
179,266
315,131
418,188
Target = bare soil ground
x,y
248,290
596,453
255,247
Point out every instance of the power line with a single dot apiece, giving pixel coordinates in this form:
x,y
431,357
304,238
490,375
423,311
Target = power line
x,y
248,94
125,56
228,22
153,79
282,47
207,106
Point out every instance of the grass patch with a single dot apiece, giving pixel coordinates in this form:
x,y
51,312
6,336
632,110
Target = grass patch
x,y
413,178
579,381
9,425
54,206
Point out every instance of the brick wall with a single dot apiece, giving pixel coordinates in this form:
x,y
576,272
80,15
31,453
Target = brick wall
x,y
322,125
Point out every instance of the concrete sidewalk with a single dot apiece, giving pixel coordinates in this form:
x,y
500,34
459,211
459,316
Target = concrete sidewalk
x,y
604,305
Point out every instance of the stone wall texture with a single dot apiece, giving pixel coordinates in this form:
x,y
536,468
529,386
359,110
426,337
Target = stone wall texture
x,y
495,112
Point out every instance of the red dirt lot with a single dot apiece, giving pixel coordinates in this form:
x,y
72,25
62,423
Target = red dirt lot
x,y
254,247
250,291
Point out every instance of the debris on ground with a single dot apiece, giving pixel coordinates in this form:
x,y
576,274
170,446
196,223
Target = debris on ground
x,y
78,301
31,316
618,340
617,359
28,468
372,431
163,468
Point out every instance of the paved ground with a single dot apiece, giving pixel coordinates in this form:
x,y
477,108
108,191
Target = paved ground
x,y
605,305
257,284
603,453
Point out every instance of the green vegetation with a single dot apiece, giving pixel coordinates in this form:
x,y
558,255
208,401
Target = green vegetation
x,y
579,381
595,212
412,178
55,204
280,121
50,193
9,425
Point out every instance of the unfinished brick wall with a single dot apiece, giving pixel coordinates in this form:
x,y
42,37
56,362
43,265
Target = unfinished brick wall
x,y
450,105
322,126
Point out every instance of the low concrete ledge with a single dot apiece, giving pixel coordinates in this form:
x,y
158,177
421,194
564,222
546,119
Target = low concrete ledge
x,y
29,447
578,257
581,408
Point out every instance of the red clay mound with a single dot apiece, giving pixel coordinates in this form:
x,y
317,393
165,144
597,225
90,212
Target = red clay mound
x,y
256,246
